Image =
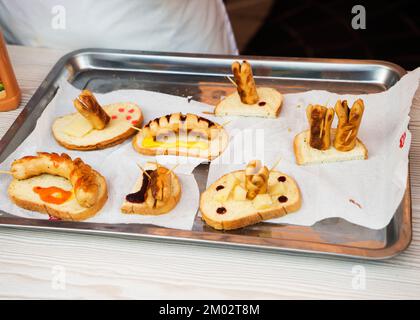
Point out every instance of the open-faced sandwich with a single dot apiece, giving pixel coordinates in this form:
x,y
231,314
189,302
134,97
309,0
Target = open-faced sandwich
x,y
57,185
157,191
181,134
245,197
321,144
94,127
249,100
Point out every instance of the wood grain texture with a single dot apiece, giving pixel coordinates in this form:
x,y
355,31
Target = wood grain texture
x,y
104,267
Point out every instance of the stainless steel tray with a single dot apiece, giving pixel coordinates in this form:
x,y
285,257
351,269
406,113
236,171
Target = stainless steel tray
x,y
203,77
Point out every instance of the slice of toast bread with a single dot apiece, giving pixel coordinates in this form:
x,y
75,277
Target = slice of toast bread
x,y
227,212
123,117
268,106
22,193
305,154
144,208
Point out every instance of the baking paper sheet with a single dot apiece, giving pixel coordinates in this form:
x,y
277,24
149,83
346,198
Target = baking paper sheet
x,y
364,192
117,164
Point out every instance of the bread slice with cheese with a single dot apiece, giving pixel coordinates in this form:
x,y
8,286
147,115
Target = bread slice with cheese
x,y
224,205
268,106
182,147
305,154
75,132
22,193
151,206
182,135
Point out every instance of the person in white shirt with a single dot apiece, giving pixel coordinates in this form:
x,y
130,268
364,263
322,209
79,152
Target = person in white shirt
x,y
195,26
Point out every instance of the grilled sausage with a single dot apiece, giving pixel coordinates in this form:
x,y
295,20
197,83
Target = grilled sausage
x,y
320,119
82,176
89,108
348,124
245,82
256,179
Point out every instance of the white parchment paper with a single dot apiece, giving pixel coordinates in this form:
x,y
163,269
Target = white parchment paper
x,y
117,164
336,189
377,184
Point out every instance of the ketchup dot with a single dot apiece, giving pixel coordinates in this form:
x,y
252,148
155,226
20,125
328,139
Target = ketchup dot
x,y
121,109
134,122
131,110
114,117
128,117
281,179
282,199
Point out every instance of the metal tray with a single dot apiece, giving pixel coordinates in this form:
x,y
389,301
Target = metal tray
x,y
203,78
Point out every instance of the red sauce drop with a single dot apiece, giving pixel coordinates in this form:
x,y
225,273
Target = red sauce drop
x,y
128,117
121,109
131,110
261,104
114,117
281,179
402,140
52,195
282,199
221,210
134,122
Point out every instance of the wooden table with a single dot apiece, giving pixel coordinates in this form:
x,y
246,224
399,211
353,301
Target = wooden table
x,y
37,264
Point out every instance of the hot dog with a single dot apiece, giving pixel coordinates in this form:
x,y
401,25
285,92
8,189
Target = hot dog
x,y
256,179
245,82
89,108
320,119
82,176
348,124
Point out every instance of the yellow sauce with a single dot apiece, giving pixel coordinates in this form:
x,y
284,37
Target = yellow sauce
x,y
148,142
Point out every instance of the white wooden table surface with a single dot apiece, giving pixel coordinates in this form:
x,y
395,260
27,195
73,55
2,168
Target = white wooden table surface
x,y
35,264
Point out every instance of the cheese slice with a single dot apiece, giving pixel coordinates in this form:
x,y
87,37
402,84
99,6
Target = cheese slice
x,y
149,142
78,127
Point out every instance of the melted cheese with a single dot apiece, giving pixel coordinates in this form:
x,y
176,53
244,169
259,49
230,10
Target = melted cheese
x,y
78,126
149,142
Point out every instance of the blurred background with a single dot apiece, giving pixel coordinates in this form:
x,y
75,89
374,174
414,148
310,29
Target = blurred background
x,y
322,29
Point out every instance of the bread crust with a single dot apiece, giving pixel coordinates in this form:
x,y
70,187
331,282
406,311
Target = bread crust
x,y
63,214
176,151
300,158
103,144
82,177
258,216
143,209
276,113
